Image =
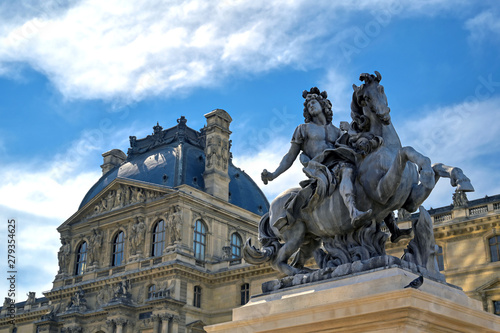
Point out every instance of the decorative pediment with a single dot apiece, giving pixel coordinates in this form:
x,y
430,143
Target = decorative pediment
x,y
121,196
117,195
491,286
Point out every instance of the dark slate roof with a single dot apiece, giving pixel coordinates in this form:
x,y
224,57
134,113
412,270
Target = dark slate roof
x,y
173,157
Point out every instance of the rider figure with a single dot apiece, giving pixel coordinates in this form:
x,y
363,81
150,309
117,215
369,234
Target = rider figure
x,y
316,139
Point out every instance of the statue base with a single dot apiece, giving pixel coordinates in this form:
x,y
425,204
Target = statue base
x,y
374,301
346,270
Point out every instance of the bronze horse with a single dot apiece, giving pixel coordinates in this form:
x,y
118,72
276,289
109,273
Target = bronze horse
x,y
389,177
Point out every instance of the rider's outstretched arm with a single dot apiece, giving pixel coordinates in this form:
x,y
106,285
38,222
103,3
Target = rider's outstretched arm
x,y
285,164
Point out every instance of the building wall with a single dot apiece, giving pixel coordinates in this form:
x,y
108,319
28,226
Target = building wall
x,y
463,233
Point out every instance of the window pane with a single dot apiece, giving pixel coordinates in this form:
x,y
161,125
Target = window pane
x,y
235,246
496,307
245,293
118,249
158,239
81,259
494,253
199,240
197,296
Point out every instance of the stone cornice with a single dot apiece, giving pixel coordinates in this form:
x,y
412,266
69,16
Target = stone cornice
x,y
176,269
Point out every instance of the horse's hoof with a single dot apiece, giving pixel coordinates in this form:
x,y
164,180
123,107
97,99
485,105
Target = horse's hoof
x,y
361,219
465,186
401,234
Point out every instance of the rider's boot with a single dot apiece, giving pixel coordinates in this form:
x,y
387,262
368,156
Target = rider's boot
x,y
358,217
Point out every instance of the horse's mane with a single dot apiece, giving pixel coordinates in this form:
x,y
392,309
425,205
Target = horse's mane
x,y
360,123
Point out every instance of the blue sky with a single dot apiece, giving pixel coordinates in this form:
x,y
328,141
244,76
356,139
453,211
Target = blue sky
x,y
77,78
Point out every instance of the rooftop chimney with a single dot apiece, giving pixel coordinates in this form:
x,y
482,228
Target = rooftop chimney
x,y
111,159
217,154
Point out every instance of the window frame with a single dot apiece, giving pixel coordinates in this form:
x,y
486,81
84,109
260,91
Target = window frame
x,y
118,253
235,246
81,264
495,307
440,258
244,293
200,240
157,246
495,245
197,291
151,291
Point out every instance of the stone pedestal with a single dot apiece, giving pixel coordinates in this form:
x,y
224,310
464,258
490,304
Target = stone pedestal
x,y
370,302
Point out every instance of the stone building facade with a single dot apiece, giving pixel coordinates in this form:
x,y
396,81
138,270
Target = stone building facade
x,y
156,243
468,236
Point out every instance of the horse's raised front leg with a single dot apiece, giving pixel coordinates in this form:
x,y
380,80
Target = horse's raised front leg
x,y
456,175
425,171
392,179
294,238
457,179
389,183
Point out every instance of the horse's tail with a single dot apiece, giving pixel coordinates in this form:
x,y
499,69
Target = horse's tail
x,y
268,239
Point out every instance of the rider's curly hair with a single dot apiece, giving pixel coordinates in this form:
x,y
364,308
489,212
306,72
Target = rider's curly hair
x,y
322,100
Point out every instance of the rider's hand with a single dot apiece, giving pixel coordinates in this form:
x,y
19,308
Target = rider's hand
x,y
266,176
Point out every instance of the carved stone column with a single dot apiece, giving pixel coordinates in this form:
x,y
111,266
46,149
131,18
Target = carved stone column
x,y
165,323
120,323
156,323
174,327
217,154
111,325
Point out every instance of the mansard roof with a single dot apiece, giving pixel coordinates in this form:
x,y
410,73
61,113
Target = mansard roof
x,y
174,157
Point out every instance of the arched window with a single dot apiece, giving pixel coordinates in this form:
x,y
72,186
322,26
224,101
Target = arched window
x,y
151,291
118,249
494,248
199,240
235,246
158,239
197,297
440,258
81,259
245,293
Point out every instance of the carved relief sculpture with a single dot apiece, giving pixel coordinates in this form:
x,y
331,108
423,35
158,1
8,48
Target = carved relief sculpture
x,y
174,224
31,297
78,301
121,197
137,236
460,199
95,246
63,256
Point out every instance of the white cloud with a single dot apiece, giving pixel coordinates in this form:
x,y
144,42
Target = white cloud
x,y
54,187
484,26
269,157
339,91
37,243
459,135
41,195
115,49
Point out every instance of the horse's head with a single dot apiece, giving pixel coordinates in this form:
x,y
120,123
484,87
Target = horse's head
x,y
368,100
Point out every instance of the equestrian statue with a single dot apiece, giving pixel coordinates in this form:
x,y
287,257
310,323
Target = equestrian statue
x,y
357,176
